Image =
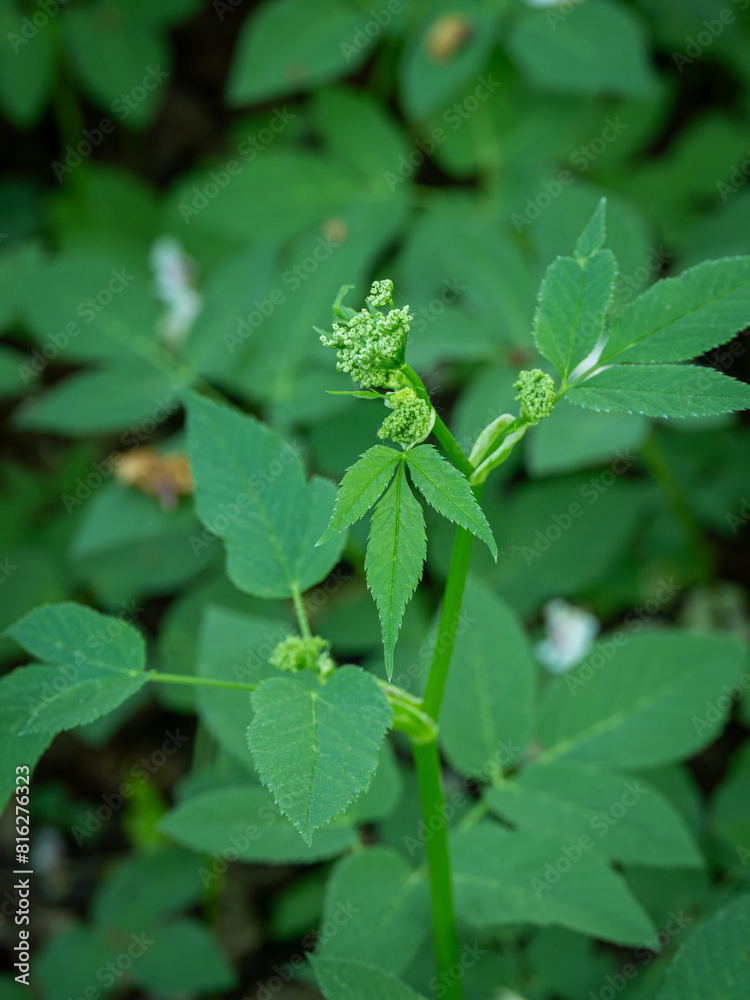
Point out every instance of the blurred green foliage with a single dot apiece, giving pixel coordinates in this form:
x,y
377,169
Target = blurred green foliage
x,y
188,187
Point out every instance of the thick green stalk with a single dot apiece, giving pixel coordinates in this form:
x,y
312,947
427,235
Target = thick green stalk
x,y
449,618
427,763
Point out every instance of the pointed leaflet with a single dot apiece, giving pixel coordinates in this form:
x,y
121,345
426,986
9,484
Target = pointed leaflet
x,y
626,818
508,878
573,303
361,487
98,664
316,745
250,490
593,235
662,391
713,962
448,492
396,550
680,318
244,821
345,979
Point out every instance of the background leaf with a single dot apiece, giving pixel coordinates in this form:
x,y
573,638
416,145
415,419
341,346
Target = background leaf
x,y
256,499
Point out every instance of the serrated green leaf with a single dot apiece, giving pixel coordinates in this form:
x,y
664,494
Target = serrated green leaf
x,y
641,701
346,979
486,716
506,878
662,391
316,745
680,318
244,822
573,303
593,236
362,485
380,908
396,550
250,490
449,492
98,664
626,818
713,962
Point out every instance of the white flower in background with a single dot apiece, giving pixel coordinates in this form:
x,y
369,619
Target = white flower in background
x,y
570,634
173,279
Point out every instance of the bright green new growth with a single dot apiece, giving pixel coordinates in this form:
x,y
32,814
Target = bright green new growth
x,y
297,653
371,345
536,393
411,420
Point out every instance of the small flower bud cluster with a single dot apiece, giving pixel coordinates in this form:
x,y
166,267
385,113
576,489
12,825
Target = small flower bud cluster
x,y
381,293
536,393
411,420
295,653
371,345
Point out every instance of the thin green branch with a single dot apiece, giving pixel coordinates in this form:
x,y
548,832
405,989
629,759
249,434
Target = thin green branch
x,y
154,675
299,607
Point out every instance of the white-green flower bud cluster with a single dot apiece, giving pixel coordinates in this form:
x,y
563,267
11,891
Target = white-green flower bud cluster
x,y
412,418
372,345
295,653
381,293
536,393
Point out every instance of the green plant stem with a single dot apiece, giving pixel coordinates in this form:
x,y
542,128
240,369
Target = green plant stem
x,y
450,446
449,618
299,607
154,675
427,763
